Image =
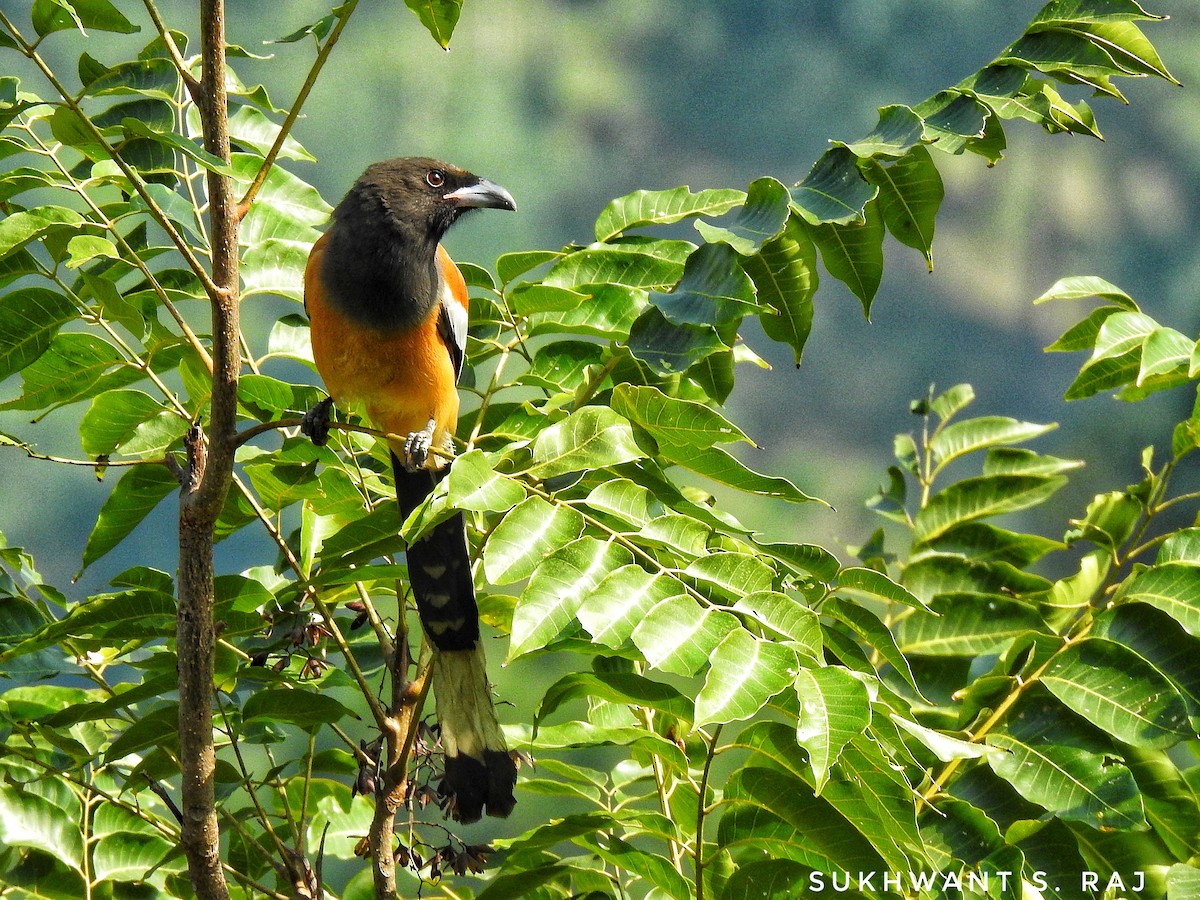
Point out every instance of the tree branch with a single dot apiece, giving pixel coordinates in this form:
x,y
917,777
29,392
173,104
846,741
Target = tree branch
x,y
202,498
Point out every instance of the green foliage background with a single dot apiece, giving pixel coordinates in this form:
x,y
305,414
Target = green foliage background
x,y
696,624
572,103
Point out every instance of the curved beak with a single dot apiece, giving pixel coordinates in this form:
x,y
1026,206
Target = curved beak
x,y
483,194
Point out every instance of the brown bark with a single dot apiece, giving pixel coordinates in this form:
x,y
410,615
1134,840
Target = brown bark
x,y
210,462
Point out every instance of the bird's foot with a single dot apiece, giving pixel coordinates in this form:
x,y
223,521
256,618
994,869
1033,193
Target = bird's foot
x,y
416,447
315,423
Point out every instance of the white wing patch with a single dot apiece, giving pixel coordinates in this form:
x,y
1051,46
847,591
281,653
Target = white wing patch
x,y
452,325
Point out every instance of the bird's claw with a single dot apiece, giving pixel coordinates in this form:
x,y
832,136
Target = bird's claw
x,y
315,423
417,445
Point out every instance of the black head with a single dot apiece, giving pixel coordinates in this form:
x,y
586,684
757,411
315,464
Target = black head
x,y
380,262
426,195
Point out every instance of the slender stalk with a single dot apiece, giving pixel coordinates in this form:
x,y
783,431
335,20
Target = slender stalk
x,y
343,14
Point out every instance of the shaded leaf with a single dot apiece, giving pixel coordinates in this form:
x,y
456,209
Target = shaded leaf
x,y
834,190
760,219
784,272
133,498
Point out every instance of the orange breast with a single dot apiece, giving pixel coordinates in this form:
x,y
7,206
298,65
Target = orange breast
x,y
398,379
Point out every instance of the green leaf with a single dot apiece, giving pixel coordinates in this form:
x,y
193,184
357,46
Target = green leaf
x,y
910,193
275,266
712,291
1165,352
867,584
834,708
761,218
619,603
678,635
1103,374
438,16
669,348
606,311
898,131
28,820
591,438
744,673
177,142
303,708
981,497
966,625
952,120
557,590
473,484
113,418
720,466
807,559
653,868
1066,12
952,401
29,319
250,127
784,272
731,574
510,265
678,421
834,191
767,879
56,15
1083,287
786,616
1053,763
868,629
585,734
960,438
642,208
133,498
531,531
28,225
1118,692
1173,587
816,833
128,856
637,263
853,254
625,688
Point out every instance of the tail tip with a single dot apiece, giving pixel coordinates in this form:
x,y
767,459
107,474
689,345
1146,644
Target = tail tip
x,y
470,785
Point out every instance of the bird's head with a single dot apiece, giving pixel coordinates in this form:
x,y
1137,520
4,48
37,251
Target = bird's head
x,y
421,193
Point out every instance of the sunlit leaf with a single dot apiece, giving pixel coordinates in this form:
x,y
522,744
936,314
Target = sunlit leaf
x,y
557,590
834,708
745,672
642,208
530,532
591,438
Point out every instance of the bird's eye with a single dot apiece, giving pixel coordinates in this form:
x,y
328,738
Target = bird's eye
x,y
435,178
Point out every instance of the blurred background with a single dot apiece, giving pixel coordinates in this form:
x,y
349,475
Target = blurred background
x,y
569,103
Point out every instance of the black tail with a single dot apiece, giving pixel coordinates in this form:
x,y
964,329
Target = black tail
x,y
479,769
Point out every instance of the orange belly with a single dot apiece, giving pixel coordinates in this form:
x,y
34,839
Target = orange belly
x,y
399,379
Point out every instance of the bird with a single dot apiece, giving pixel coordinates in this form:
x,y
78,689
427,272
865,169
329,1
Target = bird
x,y
387,310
